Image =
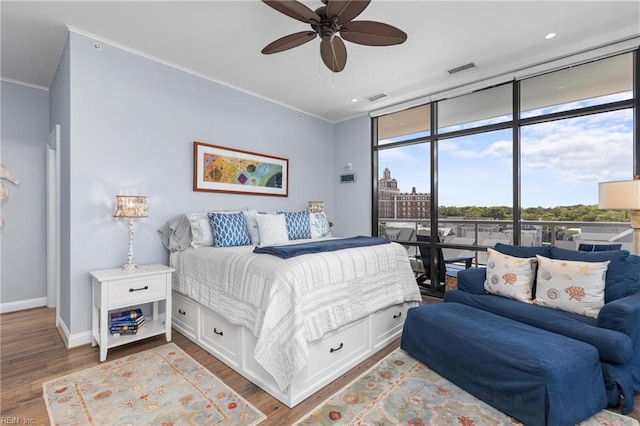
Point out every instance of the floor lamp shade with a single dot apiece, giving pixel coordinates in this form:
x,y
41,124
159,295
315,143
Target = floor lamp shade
x,y
130,207
623,195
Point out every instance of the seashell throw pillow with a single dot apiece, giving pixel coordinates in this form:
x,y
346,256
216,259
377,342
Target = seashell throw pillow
x,y
510,276
571,286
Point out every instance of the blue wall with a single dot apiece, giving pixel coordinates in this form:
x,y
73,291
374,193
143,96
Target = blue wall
x,y
133,124
25,128
128,125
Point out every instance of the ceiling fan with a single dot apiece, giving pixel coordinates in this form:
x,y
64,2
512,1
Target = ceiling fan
x,y
331,21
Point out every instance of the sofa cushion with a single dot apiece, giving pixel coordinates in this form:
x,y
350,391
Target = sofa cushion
x,y
633,274
510,276
618,283
522,251
614,347
472,280
571,285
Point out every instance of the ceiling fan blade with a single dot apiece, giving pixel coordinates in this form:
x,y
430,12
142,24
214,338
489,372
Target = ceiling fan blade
x,y
294,9
334,54
289,42
372,33
346,10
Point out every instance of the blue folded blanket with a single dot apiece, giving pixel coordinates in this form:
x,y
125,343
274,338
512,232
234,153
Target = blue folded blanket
x,y
292,250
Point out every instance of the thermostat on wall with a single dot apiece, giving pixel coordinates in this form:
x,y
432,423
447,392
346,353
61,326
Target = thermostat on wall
x,y
348,178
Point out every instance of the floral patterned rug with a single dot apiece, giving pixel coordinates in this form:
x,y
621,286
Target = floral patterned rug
x,y
401,390
160,386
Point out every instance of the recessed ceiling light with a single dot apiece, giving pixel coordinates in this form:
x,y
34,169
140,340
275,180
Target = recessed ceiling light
x,y
354,100
550,36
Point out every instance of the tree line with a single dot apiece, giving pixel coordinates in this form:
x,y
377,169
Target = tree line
x,y
577,213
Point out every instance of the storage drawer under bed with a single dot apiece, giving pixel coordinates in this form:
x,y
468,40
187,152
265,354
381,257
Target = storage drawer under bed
x,y
221,336
184,314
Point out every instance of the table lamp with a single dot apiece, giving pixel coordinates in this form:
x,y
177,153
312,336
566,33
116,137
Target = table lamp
x,y
130,207
315,206
623,195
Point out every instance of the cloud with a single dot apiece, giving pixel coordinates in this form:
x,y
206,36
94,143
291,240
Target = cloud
x,y
584,149
588,148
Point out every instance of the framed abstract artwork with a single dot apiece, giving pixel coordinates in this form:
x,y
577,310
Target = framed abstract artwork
x,y
222,169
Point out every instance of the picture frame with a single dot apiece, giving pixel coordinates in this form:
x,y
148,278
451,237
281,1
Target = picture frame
x,y
223,169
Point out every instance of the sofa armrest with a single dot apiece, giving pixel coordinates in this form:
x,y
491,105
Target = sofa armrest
x,y
622,315
472,280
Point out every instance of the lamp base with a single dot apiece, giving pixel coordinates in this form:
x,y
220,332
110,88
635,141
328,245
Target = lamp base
x,y
130,267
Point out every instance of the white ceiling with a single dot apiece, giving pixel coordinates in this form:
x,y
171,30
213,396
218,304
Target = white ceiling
x,y
221,40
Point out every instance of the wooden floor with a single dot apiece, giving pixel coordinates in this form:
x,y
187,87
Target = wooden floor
x,y
32,352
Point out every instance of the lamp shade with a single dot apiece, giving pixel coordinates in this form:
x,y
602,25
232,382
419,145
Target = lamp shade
x,y
315,206
624,195
131,206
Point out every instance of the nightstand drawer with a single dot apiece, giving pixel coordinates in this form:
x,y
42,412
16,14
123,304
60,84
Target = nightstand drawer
x,y
137,290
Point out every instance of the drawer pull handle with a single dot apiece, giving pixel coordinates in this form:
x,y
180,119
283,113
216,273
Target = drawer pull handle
x,y
180,311
332,350
219,333
131,290
397,316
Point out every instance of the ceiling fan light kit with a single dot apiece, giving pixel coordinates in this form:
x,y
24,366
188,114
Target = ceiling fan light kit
x,y
333,23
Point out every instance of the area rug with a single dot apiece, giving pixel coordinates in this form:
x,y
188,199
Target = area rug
x,y
401,390
160,386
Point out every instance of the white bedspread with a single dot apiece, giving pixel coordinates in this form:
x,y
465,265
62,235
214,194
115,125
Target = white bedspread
x,y
289,303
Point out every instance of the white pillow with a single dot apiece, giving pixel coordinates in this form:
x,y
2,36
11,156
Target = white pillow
x,y
273,229
571,286
201,234
510,276
252,226
319,225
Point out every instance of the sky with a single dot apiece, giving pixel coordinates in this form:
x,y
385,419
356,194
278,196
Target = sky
x,y
562,161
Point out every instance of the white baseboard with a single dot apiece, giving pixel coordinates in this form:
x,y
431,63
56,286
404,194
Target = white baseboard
x,y
63,331
73,340
21,305
79,339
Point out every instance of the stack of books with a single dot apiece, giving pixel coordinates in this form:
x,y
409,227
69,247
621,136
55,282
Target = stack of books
x,y
126,322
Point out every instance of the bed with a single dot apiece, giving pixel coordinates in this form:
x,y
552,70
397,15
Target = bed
x,y
291,326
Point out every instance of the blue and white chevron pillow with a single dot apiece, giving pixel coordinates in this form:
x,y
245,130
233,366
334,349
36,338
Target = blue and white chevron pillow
x,y
297,225
229,229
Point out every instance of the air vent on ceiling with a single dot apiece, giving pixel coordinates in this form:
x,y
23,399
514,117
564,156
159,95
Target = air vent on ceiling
x,y
461,68
376,97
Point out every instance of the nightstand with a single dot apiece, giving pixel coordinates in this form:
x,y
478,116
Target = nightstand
x,y
117,289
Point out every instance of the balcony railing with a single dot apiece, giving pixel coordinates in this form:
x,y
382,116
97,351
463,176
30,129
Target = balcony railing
x,y
471,237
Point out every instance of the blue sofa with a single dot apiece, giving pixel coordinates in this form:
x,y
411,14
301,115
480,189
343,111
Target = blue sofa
x,y
615,333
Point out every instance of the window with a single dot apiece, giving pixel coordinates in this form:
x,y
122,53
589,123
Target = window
x,y
404,125
594,83
499,170
488,106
